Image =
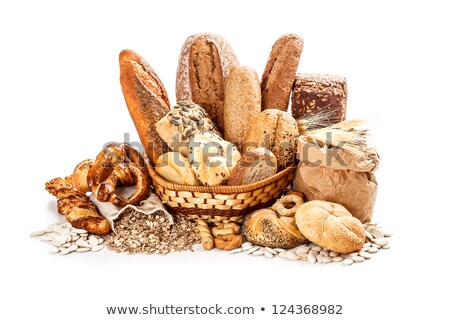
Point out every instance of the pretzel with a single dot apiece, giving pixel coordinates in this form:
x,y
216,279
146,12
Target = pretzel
x,y
288,205
118,164
225,228
228,241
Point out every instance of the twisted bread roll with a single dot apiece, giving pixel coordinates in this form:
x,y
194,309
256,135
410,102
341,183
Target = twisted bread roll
x,y
331,226
77,208
205,234
268,228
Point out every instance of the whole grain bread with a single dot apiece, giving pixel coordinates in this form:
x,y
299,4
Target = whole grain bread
x,y
278,77
253,166
203,68
277,131
242,102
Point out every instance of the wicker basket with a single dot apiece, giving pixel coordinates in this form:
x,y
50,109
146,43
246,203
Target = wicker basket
x,y
220,203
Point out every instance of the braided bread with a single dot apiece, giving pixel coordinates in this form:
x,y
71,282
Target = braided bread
x,y
77,208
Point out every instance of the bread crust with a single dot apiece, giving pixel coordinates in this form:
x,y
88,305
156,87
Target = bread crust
x,y
277,131
203,68
279,74
331,226
242,103
146,99
253,166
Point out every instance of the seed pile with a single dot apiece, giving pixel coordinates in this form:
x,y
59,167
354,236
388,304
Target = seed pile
x,y
376,239
141,233
66,239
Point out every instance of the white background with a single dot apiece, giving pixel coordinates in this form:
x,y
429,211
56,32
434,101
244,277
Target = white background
x,y
61,101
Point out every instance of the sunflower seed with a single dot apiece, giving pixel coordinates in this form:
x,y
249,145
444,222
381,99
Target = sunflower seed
x,y
64,251
291,255
347,262
302,249
279,250
333,254
373,250
270,250
312,258
358,259
79,231
53,249
367,244
251,250
83,249
46,238
387,234
97,248
327,259
338,259
59,240
386,246
92,240
365,255
258,253
246,245
283,254
37,233
302,256
268,254
381,241
368,235
316,248
237,250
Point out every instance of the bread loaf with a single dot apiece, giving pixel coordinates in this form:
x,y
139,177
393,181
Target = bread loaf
x,y
212,158
274,130
182,123
203,68
255,165
268,229
242,103
280,71
174,167
146,99
331,226
324,94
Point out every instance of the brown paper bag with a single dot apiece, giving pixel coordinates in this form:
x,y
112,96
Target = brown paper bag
x,y
341,175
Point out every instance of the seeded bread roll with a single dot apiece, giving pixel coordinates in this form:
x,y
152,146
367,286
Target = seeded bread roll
x,y
146,99
174,167
203,68
320,94
255,165
182,123
278,77
268,229
242,103
274,130
331,226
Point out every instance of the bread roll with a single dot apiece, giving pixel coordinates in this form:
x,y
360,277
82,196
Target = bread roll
x,y
255,165
203,68
331,226
242,103
274,130
146,99
280,71
174,167
182,123
268,229
212,158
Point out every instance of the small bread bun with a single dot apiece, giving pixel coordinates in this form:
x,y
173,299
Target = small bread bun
x,y
331,226
174,167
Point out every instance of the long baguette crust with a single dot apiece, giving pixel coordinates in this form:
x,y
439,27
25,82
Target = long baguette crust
x,y
278,77
146,99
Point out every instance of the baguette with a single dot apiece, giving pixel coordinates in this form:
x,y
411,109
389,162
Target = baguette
x,y
146,99
280,71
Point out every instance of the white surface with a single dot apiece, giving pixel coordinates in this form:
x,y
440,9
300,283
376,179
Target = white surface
x,y
61,101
